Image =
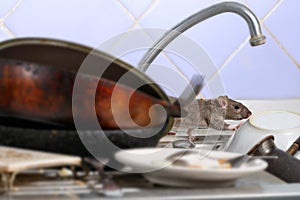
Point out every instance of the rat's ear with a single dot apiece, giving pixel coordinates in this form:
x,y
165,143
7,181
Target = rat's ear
x,y
223,101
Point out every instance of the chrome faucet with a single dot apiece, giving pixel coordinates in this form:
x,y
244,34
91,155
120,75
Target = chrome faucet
x,y
257,38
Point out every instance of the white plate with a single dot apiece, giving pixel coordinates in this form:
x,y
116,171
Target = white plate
x,y
151,162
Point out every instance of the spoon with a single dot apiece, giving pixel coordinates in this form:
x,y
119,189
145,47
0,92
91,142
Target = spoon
x,y
234,162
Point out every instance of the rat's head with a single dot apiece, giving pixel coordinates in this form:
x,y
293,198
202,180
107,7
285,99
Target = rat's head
x,y
234,109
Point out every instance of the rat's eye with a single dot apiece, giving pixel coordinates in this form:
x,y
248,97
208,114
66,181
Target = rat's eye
x,y
236,107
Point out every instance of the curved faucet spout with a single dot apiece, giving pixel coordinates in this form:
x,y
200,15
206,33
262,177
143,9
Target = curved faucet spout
x,y
257,38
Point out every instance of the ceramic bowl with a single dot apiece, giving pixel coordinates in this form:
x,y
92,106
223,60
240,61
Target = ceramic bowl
x,y
282,124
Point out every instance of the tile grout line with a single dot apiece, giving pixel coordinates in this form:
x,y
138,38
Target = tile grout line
x,y
126,10
272,10
225,62
282,47
2,20
130,15
150,7
244,42
11,10
136,23
7,31
166,55
173,63
147,10
135,20
275,38
234,53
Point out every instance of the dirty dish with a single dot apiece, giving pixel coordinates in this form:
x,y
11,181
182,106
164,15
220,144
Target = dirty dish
x,y
202,172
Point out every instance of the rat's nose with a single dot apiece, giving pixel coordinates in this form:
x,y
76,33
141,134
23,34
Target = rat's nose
x,y
249,114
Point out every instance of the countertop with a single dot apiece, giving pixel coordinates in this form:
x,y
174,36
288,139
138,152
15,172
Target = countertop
x,y
258,186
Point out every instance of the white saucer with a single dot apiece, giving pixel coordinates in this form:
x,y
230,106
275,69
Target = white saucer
x,y
152,163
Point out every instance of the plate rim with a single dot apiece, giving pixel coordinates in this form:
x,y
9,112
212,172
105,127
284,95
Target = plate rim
x,y
234,171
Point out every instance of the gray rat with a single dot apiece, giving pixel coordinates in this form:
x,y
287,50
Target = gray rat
x,y
212,113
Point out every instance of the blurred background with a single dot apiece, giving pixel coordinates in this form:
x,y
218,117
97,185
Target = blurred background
x,y
228,62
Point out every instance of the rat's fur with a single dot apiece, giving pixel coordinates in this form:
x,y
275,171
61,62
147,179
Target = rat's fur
x,y
212,113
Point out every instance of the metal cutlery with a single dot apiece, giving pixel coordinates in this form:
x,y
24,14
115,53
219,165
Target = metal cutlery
x,y
234,162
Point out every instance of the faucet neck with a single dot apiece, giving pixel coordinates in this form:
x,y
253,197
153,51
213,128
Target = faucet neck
x,y
253,23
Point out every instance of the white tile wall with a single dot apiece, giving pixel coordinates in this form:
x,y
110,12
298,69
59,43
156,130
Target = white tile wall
x,y
263,71
3,35
136,7
218,35
235,68
262,9
88,23
284,25
7,6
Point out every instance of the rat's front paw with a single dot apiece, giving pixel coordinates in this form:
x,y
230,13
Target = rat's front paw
x,y
234,127
191,138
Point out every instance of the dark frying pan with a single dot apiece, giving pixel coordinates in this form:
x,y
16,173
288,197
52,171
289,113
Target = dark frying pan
x,y
43,93
56,62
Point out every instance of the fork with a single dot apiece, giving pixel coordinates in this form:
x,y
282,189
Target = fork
x,y
239,160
